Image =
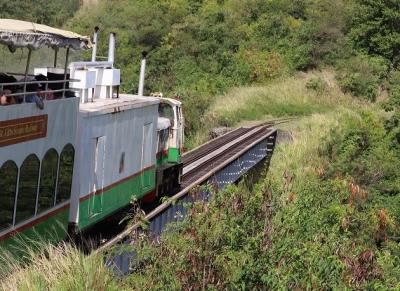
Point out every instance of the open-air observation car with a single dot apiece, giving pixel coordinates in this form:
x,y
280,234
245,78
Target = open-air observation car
x,y
73,150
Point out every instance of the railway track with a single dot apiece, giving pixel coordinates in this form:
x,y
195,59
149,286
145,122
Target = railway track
x,y
212,145
199,152
214,157
202,163
202,159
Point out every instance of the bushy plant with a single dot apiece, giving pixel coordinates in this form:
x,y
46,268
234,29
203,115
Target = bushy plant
x,y
361,76
365,152
201,253
316,84
259,66
374,28
394,92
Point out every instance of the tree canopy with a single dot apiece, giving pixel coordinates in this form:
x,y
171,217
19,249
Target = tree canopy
x,y
53,13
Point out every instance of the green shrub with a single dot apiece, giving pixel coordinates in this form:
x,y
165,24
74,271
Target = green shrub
x,y
336,226
362,75
365,152
260,66
375,30
316,84
394,92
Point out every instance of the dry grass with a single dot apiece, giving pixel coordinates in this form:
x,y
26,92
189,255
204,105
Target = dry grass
x,y
288,96
281,98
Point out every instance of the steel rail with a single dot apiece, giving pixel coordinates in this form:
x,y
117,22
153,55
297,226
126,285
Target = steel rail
x,y
221,157
213,153
213,144
200,151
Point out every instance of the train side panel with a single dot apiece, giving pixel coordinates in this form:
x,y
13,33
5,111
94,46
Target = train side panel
x,y
37,152
116,162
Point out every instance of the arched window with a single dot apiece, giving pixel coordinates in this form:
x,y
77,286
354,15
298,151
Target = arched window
x,y
48,180
65,173
8,186
27,188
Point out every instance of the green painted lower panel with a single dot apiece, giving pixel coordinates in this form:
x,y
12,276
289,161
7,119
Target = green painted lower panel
x,y
174,155
101,205
52,229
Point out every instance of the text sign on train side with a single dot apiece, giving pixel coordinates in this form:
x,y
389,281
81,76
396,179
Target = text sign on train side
x,y
22,129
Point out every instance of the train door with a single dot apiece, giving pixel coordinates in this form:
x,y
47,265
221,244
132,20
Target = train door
x,y
147,148
96,200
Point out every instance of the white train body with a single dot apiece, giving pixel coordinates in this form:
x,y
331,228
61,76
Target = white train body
x,y
71,162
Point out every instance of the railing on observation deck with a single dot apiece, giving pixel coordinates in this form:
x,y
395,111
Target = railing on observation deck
x,y
23,93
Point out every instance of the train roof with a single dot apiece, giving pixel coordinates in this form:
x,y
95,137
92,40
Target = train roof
x,y
16,33
124,102
171,101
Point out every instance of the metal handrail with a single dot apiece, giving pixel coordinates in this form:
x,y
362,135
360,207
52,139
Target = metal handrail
x,y
38,82
35,92
24,93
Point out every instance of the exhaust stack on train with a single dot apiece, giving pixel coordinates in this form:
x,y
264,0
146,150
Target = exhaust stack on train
x,y
142,74
111,48
94,49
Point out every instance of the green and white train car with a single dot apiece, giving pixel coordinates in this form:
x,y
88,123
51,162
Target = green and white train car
x,y
68,163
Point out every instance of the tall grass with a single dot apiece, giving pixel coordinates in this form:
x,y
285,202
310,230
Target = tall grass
x,y
61,267
285,97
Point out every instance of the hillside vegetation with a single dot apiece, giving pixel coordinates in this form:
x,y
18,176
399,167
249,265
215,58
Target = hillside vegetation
x,y
312,223
326,215
53,13
199,49
299,95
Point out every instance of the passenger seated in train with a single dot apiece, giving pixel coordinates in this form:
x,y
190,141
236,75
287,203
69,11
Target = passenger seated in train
x,y
36,94
42,87
33,89
59,86
6,100
9,89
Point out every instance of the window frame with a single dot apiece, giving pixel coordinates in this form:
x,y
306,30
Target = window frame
x,y
14,164
59,172
18,193
40,181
